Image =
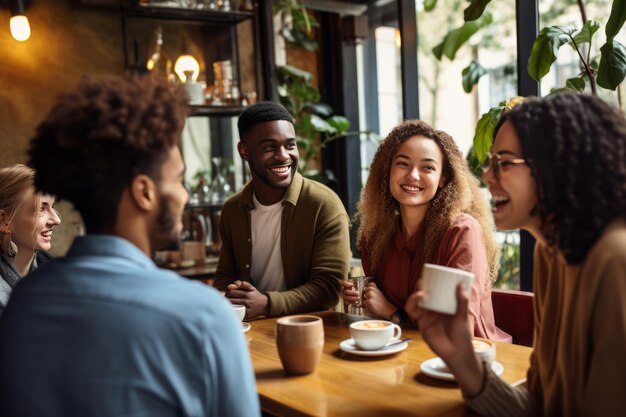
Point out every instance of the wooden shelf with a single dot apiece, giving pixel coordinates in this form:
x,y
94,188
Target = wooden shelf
x,y
203,205
197,15
207,110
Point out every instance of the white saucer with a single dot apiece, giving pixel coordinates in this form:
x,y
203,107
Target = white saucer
x,y
436,368
245,327
348,346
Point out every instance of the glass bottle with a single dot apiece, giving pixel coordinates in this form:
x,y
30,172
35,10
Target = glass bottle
x,y
159,64
220,187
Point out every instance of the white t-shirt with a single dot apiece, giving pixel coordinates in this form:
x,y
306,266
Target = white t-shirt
x,y
266,270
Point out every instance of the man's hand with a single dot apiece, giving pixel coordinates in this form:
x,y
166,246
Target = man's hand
x,y
244,293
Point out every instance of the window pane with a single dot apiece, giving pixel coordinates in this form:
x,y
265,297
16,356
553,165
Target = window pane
x,y
568,64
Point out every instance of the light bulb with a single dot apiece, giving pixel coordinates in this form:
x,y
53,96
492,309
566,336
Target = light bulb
x,y
20,28
187,65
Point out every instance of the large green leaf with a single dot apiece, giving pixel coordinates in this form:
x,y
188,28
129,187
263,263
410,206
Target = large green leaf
x,y
483,137
586,33
471,75
612,65
576,84
457,37
429,5
322,125
303,20
300,38
340,123
320,109
616,19
545,49
475,9
293,72
304,92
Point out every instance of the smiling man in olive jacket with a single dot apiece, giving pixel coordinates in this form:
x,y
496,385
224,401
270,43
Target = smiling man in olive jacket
x,y
285,238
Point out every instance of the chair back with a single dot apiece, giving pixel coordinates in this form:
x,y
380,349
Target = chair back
x,y
513,311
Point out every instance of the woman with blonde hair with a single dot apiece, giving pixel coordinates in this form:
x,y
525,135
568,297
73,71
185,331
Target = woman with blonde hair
x,y
26,222
421,204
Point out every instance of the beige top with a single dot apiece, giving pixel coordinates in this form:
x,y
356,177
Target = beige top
x,y
578,367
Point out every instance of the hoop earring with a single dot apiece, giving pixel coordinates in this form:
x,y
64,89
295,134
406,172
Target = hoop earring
x,y
7,247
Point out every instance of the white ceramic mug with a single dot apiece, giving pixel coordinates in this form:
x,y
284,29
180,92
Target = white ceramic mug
x,y
439,285
240,311
195,90
374,334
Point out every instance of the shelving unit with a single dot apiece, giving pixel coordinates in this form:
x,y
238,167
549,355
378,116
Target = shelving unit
x,y
210,36
198,15
212,33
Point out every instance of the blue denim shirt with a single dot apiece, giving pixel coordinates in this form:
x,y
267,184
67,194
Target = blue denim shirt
x,y
104,332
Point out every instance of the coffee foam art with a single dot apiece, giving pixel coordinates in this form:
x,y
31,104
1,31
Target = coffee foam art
x,y
374,334
371,325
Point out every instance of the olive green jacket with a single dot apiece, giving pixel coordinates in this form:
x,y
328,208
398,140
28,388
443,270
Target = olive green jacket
x,y
315,246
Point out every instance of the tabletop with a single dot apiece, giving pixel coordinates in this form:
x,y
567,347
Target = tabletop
x,y
348,385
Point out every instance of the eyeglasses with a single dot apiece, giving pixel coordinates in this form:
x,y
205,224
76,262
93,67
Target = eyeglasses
x,y
496,164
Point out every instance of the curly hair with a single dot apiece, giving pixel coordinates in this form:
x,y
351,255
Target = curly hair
x,y
576,148
101,135
377,207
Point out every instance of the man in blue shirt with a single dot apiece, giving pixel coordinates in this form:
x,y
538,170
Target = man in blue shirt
x,y
103,331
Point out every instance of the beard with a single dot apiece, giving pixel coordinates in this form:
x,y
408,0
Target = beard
x,y
165,234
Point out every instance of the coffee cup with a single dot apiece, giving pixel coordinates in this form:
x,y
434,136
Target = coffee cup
x,y
300,342
484,349
374,334
359,284
439,285
240,311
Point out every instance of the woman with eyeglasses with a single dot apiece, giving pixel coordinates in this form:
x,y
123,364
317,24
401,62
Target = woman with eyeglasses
x,y
422,205
558,170
26,222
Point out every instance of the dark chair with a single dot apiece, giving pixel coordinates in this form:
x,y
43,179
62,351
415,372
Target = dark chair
x,y
513,311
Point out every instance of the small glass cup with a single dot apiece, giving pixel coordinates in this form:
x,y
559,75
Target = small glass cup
x,y
359,284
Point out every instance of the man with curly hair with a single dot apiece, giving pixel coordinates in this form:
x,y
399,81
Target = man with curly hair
x,y
104,332
285,238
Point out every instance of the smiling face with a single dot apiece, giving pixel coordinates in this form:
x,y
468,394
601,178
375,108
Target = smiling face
x,y
272,154
515,195
31,227
416,173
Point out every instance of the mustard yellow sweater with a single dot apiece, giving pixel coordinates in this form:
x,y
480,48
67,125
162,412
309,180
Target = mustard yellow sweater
x,y
578,367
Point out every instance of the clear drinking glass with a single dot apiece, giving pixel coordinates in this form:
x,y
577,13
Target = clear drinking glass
x,y
220,187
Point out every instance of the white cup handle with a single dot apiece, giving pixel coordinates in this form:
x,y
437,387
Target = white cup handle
x,y
397,332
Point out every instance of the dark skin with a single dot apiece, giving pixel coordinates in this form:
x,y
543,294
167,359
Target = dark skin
x,y
272,154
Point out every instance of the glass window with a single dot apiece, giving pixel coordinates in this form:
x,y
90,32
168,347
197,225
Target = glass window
x,y
388,72
568,65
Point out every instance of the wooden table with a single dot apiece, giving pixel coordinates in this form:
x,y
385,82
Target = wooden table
x,y
347,385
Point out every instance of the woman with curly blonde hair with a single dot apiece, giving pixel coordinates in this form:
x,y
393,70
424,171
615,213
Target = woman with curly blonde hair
x,y
422,204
